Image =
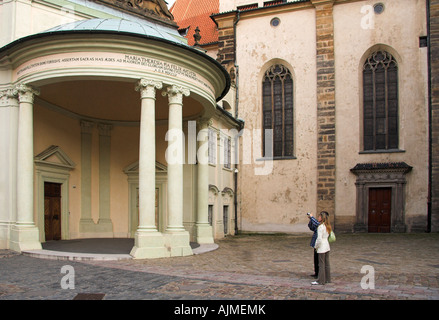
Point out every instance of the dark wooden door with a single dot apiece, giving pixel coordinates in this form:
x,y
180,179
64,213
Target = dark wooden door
x,y
379,209
52,211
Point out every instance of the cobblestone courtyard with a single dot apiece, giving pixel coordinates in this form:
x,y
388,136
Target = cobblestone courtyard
x,y
260,267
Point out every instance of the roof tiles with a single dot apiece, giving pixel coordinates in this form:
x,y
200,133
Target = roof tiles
x,y
196,13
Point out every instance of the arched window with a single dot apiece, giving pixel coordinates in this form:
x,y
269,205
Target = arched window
x,y
380,102
277,88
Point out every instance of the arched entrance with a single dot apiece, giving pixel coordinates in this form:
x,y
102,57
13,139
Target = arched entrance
x,y
107,98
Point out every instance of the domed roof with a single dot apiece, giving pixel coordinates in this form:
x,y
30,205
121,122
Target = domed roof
x,y
144,28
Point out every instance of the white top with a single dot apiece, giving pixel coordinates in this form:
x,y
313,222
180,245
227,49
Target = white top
x,y
322,243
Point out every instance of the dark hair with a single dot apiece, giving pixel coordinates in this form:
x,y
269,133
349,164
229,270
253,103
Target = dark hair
x,y
325,212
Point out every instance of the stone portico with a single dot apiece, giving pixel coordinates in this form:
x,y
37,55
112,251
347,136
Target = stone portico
x,y
128,86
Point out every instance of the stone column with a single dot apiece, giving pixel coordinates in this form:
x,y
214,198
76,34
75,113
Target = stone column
x,y
8,163
105,225
149,243
86,223
398,203
361,208
177,236
204,233
24,234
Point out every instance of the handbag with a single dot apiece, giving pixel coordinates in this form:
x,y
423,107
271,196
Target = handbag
x,y
331,237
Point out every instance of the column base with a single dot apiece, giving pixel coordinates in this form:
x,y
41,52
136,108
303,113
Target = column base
x,y
149,245
204,233
5,229
24,238
360,227
402,228
86,225
102,229
178,243
105,227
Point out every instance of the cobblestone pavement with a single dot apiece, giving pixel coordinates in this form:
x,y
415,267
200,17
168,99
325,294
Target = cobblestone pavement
x,y
260,267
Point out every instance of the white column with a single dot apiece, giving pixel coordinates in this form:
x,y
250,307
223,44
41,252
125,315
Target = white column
x,y
24,234
8,163
149,243
204,233
177,236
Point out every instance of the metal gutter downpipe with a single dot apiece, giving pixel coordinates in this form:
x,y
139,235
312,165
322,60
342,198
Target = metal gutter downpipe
x,y
235,198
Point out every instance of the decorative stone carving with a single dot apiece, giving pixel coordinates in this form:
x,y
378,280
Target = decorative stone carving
x,y
26,93
175,94
157,8
197,36
147,88
376,175
8,98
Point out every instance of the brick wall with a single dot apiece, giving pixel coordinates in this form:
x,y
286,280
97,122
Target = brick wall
x,y
325,106
434,60
226,46
226,39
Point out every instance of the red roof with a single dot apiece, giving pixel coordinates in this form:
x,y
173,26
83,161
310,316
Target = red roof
x,y
196,13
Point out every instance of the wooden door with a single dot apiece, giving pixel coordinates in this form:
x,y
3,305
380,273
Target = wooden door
x,y
52,211
379,209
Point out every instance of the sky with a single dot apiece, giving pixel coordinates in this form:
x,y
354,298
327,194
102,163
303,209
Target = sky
x,y
170,2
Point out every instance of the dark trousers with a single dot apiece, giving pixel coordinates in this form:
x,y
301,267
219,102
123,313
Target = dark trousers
x,y
316,263
324,268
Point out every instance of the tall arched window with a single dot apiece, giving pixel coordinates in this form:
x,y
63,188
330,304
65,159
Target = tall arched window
x,y
277,88
380,102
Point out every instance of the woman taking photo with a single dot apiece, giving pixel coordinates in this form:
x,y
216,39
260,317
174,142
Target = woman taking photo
x,y
322,248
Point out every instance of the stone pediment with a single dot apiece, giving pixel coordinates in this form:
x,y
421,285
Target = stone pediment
x,y
134,168
156,9
390,172
54,156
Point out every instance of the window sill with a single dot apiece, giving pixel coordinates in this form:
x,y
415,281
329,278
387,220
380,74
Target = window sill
x,y
382,151
276,158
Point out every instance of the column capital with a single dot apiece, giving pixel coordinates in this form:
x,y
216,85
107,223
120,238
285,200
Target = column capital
x,y
8,97
86,126
9,93
175,94
105,129
147,88
204,123
26,92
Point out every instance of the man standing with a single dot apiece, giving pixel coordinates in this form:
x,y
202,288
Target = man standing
x,y
313,224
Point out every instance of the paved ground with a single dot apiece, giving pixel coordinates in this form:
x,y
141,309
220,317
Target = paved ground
x,y
406,266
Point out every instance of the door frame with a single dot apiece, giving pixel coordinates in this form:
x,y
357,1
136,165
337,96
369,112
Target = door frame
x,y
53,165
63,179
381,175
